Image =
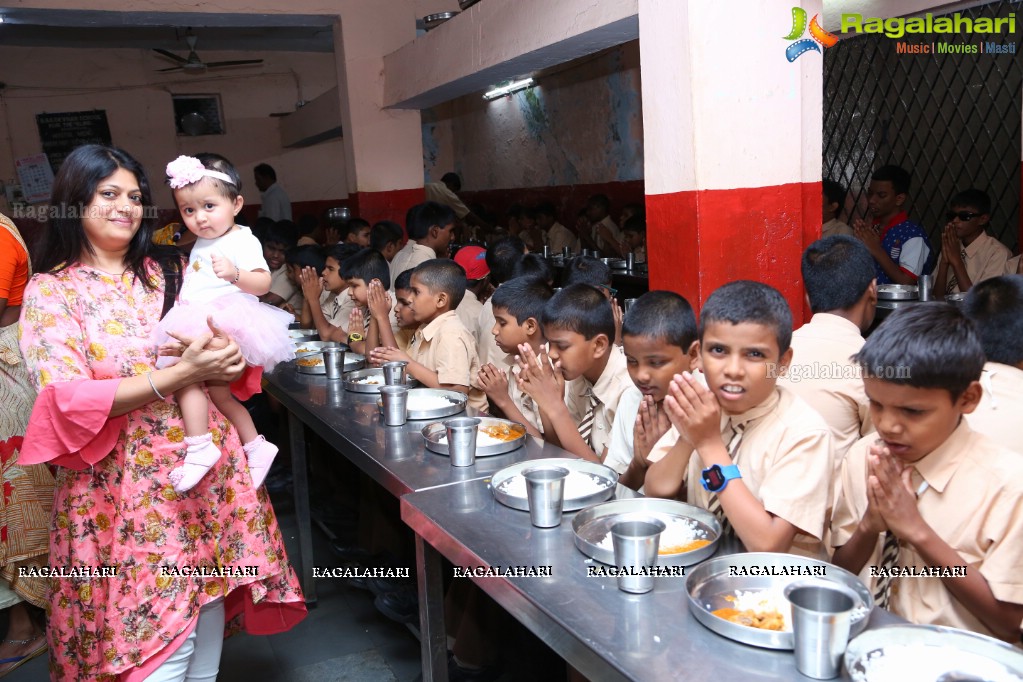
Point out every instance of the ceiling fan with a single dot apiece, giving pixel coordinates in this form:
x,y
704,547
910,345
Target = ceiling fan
x,y
193,65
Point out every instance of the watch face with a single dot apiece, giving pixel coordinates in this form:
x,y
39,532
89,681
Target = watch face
x,y
714,478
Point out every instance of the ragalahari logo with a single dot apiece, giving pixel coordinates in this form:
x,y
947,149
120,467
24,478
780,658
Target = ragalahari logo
x,y
818,35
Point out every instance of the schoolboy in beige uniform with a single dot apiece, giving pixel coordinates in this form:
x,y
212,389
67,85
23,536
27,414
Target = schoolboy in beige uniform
x,y
430,227
996,308
581,378
766,453
932,494
968,253
443,352
838,273
501,259
518,307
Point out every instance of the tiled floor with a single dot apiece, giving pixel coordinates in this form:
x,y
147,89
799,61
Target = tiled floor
x,y
343,638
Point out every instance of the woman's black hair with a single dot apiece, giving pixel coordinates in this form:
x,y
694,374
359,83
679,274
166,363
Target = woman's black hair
x,y
74,189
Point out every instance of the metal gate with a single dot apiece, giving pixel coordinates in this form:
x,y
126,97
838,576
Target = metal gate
x,y
952,120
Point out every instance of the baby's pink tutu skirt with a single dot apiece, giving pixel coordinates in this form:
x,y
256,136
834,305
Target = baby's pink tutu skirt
x,y
260,330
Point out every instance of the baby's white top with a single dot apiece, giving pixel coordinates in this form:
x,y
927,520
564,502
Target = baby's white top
x,y
239,246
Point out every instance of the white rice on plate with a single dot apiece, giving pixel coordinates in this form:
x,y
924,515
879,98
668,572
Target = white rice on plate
x,y
577,484
924,663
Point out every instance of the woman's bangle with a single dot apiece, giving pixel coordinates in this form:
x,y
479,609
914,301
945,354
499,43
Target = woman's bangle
x,y
149,375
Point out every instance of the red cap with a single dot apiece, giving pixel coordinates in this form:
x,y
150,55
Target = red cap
x,y
473,260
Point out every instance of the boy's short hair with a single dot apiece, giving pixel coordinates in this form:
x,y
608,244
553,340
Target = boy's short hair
x,y
588,270
546,208
276,234
636,223
582,309
897,175
403,280
502,257
307,224
754,302
931,345
424,216
353,226
600,200
662,315
533,265
261,227
996,308
266,170
973,198
835,193
368,264
385,232
837,270
442,274
307,255
452,179
523,297
342,252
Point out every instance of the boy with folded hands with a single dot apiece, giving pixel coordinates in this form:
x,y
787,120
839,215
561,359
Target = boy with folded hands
x,y
742,446
578,382
443,352
930,497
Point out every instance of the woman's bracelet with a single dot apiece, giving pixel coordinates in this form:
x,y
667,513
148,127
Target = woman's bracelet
x,y
149,375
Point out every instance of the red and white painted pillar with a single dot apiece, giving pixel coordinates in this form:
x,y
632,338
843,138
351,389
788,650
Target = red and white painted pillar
x,y
383,148
732,144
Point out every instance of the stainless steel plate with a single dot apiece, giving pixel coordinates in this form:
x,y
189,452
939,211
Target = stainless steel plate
x,y
303,335
592,525
353,361
709,583
934,653
607,475
354,380
456,403
435,432
432,21
615,263
897,292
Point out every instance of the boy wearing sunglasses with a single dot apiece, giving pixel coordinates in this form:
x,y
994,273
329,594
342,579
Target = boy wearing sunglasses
x,y
968,253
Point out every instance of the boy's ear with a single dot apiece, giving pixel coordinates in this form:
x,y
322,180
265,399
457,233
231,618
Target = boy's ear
x,y
985,219
531,325
970,398
900,199
696,355
784,361
442,299
601,345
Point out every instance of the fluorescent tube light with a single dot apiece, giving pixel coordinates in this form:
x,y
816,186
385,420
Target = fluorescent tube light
x,y
514,86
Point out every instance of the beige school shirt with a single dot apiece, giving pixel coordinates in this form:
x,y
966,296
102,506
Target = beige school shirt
x,y
486,343
410,255
984,258
282,286
446,347
529,409
834,227
599,241
823,375
973,501
559,236
999,416
785,458
337,307
610,386
468,311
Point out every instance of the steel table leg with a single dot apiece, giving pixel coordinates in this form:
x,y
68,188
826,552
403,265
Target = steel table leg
x,y
433,639
296,431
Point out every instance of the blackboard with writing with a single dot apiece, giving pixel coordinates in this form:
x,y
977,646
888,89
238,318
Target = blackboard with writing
x,y
61,133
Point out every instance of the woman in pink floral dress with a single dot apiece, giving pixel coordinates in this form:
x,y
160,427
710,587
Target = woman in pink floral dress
x,y
180,564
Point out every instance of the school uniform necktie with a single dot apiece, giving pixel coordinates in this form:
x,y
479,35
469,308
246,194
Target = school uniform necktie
x,y
889,560
953,283
714,505
335,309
586,425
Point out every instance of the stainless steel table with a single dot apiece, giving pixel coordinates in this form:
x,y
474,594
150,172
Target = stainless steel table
x,y
605,633
394,457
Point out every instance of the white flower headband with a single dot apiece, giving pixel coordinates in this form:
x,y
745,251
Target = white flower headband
x,y
187,170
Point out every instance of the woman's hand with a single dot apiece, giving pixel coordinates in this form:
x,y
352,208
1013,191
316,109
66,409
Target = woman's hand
x,y
211,357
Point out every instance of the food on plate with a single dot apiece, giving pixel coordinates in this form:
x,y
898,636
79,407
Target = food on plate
x,y
311,362
763,609
680,535
577,484
502,432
